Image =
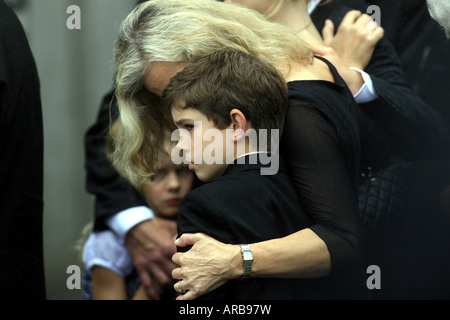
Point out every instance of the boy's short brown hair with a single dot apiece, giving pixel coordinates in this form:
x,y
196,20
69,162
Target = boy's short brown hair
x,y
226,80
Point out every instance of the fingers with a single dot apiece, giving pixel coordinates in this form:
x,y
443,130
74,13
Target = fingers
x,y
364,21
359,21
189,239
184,294
350,17
377,34
189,295
328,32
145,278
148,286
176,258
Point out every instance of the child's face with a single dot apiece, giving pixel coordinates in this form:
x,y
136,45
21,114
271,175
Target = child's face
x,y
171,184
203,145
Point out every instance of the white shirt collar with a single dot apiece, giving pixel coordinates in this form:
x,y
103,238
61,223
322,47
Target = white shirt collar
x,y
250,153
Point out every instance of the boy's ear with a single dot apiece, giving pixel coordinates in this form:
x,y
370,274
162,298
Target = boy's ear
x,y
239,124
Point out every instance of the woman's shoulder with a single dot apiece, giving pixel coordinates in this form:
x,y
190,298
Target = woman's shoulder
x,y
318,69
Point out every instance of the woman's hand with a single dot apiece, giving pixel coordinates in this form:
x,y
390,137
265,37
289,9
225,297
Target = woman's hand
x,y
206,266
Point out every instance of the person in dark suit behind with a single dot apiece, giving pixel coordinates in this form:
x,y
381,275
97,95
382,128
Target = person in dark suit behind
x,y
417,130
21,165
240,202
423,52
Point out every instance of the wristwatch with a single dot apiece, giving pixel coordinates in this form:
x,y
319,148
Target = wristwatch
x,y
247,257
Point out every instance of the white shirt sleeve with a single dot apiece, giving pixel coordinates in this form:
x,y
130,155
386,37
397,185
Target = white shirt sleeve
x,y
367,92
123,221
107,250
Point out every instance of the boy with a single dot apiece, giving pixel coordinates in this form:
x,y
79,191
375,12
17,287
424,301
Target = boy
x,y
222,97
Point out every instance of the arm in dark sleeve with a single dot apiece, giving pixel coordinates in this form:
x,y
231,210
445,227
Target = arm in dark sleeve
x,y
112,192
416,130
323,183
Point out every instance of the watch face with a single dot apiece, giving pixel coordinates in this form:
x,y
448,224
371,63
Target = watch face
x,y
247,255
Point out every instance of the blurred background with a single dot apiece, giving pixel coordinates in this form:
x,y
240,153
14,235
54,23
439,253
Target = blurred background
x,y
75,69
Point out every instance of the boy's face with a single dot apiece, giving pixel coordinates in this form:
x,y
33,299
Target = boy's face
x,y
206,158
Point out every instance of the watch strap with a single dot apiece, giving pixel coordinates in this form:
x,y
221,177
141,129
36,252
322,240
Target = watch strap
x,y
247,258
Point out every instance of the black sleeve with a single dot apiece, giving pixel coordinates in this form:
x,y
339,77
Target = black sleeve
x,y
322,182
112,192
197,213
416,130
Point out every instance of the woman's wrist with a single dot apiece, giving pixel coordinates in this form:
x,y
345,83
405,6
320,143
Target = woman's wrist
x,y
236,270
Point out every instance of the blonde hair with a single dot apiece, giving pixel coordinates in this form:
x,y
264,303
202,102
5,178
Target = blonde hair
x,y
175,31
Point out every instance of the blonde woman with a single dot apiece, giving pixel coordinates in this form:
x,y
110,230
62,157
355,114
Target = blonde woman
x,y
320,141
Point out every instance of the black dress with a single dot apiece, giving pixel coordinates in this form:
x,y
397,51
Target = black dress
x,y
321,145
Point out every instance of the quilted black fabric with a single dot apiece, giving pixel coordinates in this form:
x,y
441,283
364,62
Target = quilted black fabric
x,y
384,204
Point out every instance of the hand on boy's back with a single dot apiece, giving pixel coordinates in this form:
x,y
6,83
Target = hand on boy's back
x,y
151,246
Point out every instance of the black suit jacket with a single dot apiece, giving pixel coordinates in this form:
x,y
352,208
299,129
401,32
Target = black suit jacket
x,y
416,130
244,206
423,49
21,165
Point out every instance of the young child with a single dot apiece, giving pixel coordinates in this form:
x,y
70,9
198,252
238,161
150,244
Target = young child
x,y
228,94
108,272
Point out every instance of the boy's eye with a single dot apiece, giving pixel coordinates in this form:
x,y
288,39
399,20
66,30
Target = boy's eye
x,y
188,127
